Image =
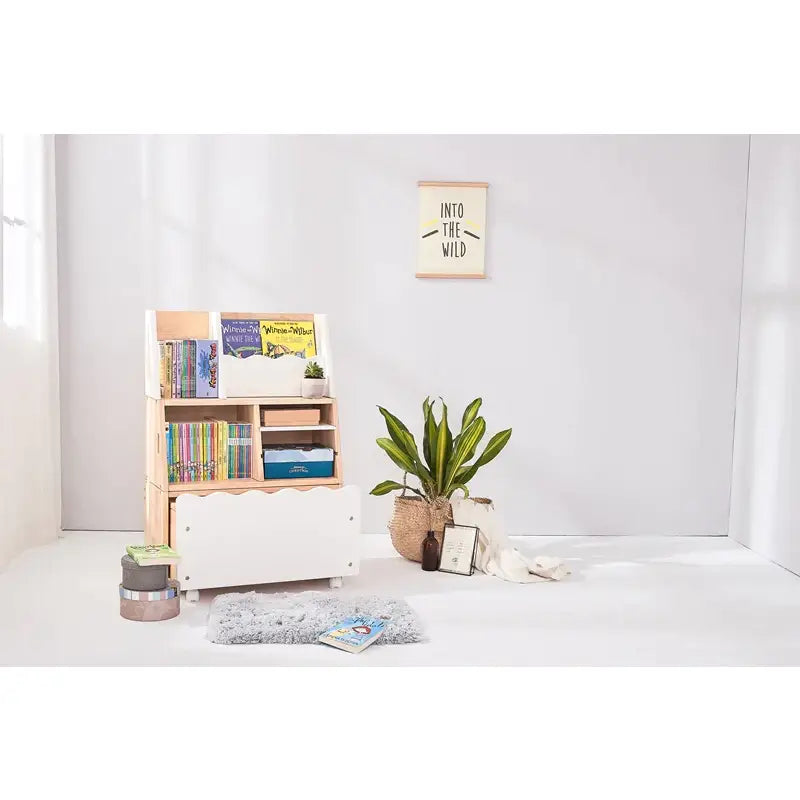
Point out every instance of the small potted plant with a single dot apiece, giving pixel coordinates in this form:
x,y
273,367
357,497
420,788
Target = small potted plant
x,y
313,380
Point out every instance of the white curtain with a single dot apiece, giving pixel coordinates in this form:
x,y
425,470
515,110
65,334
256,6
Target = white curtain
x,y
30,463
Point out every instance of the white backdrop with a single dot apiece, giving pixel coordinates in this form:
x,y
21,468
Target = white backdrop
x,y
30,470
765,510
605,335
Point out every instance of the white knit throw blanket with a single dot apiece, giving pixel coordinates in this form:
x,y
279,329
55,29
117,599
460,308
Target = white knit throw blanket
x,y
495,553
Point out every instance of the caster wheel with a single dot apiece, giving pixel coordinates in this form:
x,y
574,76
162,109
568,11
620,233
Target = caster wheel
x,y
335,583
192,595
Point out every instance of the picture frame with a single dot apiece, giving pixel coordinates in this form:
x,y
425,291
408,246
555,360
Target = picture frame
x,y
459,545
451,234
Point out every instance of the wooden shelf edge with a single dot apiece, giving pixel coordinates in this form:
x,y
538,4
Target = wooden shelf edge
x,y
247,401
280,428
241,484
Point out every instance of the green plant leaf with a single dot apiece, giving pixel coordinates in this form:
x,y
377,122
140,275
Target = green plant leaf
x,y
395,426
429,438
470,412
444,444
493,448
464,451
385,487
467,473
398,455
459,486
410,446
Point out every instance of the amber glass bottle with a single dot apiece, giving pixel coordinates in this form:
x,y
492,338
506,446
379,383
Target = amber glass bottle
x,y
430,553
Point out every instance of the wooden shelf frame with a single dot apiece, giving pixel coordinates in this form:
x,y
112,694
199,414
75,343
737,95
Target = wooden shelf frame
x,y
159,493
239,401
284,428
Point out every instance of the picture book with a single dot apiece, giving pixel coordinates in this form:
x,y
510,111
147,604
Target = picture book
x,y
206,368
240,450
354,633
150,555
211,450
162,362
189,368
288,338
241,337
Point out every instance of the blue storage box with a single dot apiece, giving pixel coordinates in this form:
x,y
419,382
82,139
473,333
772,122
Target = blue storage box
x,y
298,461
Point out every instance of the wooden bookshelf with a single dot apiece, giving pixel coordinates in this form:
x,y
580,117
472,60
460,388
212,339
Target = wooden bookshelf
x,y
160,493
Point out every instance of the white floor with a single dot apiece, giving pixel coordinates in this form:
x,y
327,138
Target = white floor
x,y
629,601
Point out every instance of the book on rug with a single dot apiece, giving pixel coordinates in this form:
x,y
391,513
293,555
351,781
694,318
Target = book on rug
x,y
152,555
354,633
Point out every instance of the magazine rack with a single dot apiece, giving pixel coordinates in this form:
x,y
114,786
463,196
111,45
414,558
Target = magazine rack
x,y
246,531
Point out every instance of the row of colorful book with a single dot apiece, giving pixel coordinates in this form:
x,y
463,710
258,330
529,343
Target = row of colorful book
x,y
212,450
189,368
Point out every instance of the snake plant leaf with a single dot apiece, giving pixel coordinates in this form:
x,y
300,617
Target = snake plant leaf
x,y
429,439
444,447
493,448
384,487
465,450
470,412
446,457
395,426
398,455
467,473
410,446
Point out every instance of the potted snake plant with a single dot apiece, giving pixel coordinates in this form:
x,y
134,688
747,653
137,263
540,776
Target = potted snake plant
x,y
444,467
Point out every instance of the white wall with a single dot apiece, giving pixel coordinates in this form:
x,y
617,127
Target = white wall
x,y
30,469
606,334
765,508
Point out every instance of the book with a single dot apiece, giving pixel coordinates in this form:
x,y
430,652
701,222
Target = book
x,y
206,363
210,450
168,383
240,450
151,555
162,363
189,368
287,338
354,633
241,337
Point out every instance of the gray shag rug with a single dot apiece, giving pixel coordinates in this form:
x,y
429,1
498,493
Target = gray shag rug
x,y
284,618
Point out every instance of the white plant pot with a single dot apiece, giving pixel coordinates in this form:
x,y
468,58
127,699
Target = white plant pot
x,y
314,387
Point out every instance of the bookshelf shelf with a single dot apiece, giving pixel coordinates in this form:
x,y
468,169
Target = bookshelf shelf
x,y
244,531
281,428
247,401
242,484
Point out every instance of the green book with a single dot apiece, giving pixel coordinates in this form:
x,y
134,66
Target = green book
x,y
150,555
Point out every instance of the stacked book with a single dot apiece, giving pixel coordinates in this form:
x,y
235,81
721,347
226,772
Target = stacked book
x,y
147,594
211,450
189,368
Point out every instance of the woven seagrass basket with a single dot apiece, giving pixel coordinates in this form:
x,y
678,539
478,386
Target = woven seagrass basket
x,y
412,519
